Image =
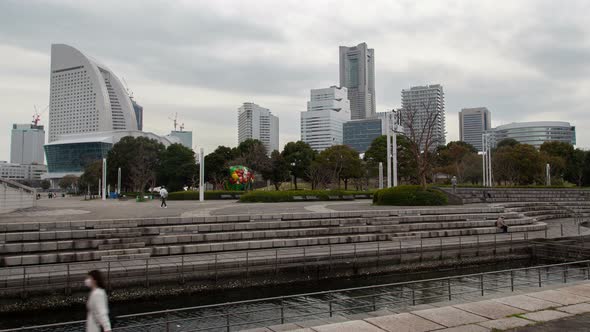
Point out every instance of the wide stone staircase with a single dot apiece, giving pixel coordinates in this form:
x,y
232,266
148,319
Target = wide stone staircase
x,y
23,244
520,195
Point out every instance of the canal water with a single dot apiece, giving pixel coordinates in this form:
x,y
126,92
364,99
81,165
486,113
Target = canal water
x,y
298,308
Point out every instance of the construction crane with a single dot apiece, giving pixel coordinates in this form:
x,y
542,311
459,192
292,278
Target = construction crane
x,y
175,120
37,114
129,92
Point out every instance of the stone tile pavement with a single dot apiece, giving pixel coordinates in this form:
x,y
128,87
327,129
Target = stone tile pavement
x,y
547,310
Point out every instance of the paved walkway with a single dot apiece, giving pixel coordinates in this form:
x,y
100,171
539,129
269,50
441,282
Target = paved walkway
x,y
511,313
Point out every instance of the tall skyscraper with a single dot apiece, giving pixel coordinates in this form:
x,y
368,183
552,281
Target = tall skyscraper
x,y
138,109
26,146
85,96
255,122
357,74
473,122
424,103
327,110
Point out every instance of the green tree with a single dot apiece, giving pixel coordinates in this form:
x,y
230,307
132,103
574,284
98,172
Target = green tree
x,y
138,158
45,184
507,142
177,167
299,156
252,154
560,156
89,179
576,166
278,172
69,181
520,164
451,158
216,166
343,162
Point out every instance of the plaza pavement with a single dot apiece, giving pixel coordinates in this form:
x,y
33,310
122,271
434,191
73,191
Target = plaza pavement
x,y
74,208
520,312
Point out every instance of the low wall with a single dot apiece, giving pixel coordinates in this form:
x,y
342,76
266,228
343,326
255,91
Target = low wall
x,y
14,196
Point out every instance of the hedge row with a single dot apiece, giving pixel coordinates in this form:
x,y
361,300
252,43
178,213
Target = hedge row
x,y
299,195
212,195
409,196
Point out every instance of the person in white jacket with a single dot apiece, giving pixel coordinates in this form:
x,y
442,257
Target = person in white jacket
x,y
97,319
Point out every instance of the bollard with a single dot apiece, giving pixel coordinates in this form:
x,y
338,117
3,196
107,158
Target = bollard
x,y
282,312
330,305
539,271
512,281
413,297
449,288
481,284
561,227
374,303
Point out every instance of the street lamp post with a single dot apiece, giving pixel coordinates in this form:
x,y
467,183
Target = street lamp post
x,y
202,175
487,174
391,128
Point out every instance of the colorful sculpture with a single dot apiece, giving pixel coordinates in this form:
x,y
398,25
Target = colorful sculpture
x,y
240,178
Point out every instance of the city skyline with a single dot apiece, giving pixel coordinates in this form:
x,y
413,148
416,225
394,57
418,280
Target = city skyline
x,y
202,78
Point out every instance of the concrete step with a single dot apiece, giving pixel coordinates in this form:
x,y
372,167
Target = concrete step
x,y
476,231
125,257
453,225
122,246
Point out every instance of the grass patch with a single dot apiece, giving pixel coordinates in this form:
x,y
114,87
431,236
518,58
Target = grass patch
x,y
409,196
301,195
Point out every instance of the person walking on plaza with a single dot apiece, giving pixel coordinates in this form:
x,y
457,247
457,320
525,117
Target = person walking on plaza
x,y
454,184
500,224
97,319
163,196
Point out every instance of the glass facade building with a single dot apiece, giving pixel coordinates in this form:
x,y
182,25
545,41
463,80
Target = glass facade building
x,y
73,157
536,133
359,134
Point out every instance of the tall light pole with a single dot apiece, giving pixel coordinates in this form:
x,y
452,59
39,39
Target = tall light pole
x,y
104,179
119,181
380,175
487,174
202,175
391,129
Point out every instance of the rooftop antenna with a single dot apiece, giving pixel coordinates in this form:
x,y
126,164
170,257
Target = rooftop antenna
x,y
129,92
175,120
181,126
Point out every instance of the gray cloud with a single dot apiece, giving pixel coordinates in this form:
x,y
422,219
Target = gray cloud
x,y
518,59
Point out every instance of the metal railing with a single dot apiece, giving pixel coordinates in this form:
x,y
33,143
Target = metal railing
x,y
284,309
68,277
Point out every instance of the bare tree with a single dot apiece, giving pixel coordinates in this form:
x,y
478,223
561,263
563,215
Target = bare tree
x,y
420,125
144,165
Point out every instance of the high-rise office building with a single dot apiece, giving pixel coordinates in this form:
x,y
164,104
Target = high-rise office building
x,y
26,145
185,137
473,122
327,110
255,122
422,104
85,96
357,74
138,109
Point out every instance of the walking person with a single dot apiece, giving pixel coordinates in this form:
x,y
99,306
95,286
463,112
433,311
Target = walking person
x,y
500,224
97,319
163,196
454,184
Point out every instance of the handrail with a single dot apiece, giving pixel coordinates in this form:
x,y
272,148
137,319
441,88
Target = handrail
x,y
444,281
15,184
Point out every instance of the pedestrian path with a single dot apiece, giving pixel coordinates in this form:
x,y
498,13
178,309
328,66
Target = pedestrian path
x,y
493,314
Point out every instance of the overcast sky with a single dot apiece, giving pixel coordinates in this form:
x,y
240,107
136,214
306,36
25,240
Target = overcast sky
x,y
524,60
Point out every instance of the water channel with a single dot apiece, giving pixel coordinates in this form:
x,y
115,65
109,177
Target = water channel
x,y
300,308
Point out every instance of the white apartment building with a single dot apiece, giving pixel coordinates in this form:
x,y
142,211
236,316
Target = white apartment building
x,y
255,122
26,144
473,122
21,172
327,111
422,102
85,96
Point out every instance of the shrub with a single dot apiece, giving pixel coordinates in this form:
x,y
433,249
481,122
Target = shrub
x,y
290,195
409,196
209,195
